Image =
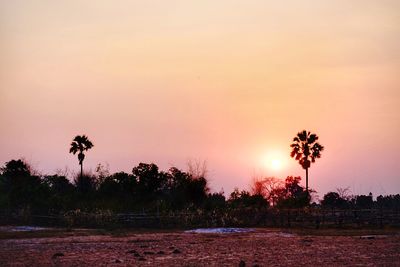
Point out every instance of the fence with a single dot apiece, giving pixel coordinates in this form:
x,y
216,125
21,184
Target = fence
x,y
317,218
306,218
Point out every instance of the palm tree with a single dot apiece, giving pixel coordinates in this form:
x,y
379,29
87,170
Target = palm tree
x,y
80,143
305,149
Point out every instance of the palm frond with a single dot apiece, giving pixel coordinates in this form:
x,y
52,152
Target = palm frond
x,y
80,143
302,135
312,138
74,148
305,148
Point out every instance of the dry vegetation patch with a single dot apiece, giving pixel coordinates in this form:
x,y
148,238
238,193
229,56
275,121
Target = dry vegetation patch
x,y
262,247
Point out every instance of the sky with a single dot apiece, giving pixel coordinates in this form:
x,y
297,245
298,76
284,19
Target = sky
x,y
227,82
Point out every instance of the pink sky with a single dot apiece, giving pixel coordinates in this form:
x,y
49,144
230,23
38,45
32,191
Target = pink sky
x,y
230,82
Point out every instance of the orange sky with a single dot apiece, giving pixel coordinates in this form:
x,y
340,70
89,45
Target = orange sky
x,y
229,82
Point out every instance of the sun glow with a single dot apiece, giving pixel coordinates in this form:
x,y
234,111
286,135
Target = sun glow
x,y
276,164
274,161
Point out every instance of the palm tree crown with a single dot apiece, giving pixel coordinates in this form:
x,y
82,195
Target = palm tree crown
x,y
80,144
305,149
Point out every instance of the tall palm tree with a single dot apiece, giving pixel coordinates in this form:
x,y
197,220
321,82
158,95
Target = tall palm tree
x,y
80,143
305,149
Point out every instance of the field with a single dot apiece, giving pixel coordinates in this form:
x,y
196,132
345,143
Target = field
x,y
261,247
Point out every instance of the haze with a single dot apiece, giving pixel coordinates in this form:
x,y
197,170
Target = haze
x,y
229,82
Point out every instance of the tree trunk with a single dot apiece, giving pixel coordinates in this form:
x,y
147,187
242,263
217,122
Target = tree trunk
x,y
307,180
81,169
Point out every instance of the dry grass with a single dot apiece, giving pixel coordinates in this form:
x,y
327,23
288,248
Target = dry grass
x,y
263,247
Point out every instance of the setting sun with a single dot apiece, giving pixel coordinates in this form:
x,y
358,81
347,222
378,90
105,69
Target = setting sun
x,y
274,161
276,164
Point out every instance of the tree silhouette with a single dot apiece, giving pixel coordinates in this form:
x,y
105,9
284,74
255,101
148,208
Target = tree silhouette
x,y
305,149
80,143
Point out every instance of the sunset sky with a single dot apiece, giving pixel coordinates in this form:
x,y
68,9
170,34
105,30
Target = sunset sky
x,y
229,82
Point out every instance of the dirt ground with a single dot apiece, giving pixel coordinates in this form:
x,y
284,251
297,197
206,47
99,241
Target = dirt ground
x,y
262,247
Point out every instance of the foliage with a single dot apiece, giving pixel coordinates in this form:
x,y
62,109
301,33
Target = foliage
x,y
215,201
85,183
146,187
306,149
268,187
292,195
20,189
364,202
388,202
80,144
339,200
281,194
62,193
94,199
245,199
334,200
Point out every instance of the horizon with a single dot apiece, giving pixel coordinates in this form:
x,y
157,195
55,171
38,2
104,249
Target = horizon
x,y
229,83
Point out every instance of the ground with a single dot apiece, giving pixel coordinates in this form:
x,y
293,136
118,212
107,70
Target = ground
x,y
262,247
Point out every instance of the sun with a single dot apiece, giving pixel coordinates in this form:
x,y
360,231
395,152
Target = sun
x,y
273,161
276,164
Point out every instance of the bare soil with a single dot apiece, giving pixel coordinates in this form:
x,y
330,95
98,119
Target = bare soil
x,y
263,247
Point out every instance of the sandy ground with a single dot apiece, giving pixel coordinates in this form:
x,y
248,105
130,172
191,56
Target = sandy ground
x,y
259,248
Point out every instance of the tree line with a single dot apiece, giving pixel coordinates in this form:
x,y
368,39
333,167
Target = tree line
x,y
147,188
